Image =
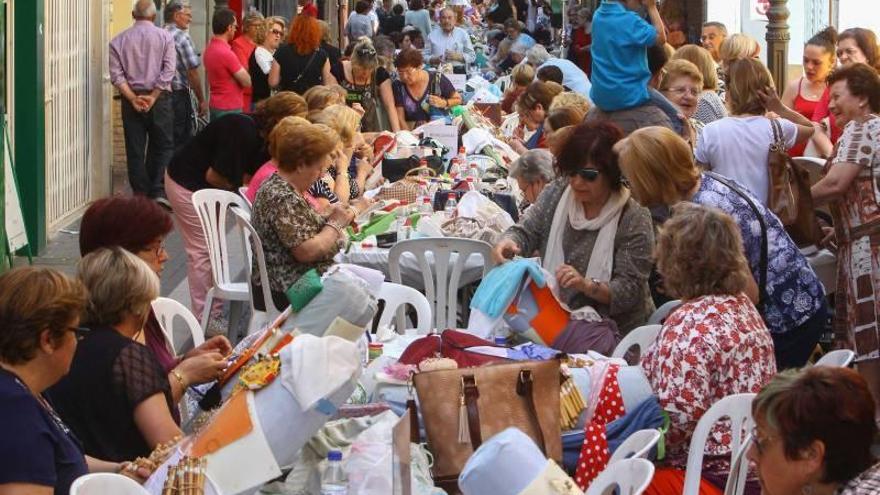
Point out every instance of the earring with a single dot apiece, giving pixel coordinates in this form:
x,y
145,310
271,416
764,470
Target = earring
x,y
807,489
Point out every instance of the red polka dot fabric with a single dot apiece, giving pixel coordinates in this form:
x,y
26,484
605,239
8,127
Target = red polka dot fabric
x,y
594,453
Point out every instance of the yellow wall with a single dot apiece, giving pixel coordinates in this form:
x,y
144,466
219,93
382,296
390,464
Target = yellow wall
x,y
120,17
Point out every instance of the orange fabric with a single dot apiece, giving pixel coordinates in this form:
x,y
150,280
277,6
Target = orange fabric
x,y
551,319
668,481
232,421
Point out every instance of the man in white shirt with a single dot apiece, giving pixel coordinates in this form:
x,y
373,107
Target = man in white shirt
x,y
448,43
572,76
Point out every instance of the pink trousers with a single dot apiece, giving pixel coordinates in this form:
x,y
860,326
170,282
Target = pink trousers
x,y
198,261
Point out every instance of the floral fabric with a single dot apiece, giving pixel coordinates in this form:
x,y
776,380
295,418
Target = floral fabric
x,y
709,348
594,452
857,219
794,293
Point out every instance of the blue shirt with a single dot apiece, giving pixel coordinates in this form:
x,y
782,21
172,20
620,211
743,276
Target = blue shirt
x,y
37,447
620,57
573,77
794,293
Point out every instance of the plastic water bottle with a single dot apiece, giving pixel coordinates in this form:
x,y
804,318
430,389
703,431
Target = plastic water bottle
x,y
471,184
423,191
454,168
474,172
451,205
426,208
334,481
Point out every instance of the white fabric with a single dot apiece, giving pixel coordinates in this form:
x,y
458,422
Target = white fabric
x,y
504,465
264,59
437,43
372,278
308,357
569,211
572,76
738,147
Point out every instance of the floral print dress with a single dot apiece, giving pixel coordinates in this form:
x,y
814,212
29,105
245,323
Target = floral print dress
x,y
709,348
857,224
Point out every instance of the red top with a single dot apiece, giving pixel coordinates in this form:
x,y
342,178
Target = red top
x,y
807,108
822,112
220,64
584,60
243,48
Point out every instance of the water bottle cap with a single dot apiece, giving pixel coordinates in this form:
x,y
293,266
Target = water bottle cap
x,y
334,455
451,195
426,200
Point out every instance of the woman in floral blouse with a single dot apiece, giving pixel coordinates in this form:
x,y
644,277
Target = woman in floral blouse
x,y
715,344
661,171
295,237
851,186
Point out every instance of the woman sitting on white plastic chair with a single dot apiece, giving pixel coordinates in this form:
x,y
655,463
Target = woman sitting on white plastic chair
x,y
140,226
814,433
714,345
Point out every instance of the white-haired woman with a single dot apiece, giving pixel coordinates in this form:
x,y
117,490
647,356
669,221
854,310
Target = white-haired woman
x,y
533,170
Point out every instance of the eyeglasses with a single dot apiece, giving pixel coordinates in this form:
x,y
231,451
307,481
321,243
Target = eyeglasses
x,y
681,91
157,250
759,442
587,174
79,332
279,33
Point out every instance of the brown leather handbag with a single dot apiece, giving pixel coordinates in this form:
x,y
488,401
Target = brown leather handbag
x,y
464,407
790,197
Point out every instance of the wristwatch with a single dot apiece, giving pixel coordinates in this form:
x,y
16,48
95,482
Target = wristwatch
x,y
593,289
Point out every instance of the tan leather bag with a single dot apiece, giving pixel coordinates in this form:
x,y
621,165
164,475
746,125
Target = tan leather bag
x,y
462,408
790,197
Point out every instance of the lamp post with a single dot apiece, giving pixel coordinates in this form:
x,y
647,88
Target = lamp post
x,y
777,42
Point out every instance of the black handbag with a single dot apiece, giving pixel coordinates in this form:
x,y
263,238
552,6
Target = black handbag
x,y
395,169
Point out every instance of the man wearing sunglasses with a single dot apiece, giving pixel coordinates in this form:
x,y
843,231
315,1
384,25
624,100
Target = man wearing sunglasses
x,y
178,17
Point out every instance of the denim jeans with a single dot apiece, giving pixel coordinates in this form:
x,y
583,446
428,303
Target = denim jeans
x,y
183,117
149,145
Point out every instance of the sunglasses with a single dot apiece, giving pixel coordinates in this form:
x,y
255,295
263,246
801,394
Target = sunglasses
x,y
79,332
279,33
588,174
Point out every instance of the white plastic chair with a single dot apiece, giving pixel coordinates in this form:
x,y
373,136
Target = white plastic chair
x,y
840,358
104,483
662,312
641,337
166,310
242,191
254,255
736,480
738,408
629,476
636,446
441,280
396,296
212,206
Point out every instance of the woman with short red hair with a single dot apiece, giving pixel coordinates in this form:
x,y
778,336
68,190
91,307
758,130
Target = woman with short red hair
x,y
301,63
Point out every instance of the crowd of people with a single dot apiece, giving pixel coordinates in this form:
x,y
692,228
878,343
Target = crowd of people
x,y
642,176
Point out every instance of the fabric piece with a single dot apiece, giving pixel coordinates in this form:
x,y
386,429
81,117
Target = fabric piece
x,y
332,358
594,453
581,336
503,465
231,423
668,481
344,296
794,292
499,286
552,481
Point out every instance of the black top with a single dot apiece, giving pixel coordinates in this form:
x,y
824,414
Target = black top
x,y
231,145
300,72
500,12
37,447
110,376
335,56
392,24
259,80
358,93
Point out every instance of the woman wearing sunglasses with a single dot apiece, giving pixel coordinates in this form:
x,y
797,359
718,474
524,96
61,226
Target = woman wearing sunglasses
x,y
660,169
814,432
260,62
589,232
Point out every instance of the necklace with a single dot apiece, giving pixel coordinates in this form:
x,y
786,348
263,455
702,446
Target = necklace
x,y
40,400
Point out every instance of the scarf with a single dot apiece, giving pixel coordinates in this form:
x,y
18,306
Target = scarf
x,y
571,212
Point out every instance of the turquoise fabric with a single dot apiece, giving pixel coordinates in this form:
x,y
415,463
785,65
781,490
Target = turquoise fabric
x,y
499,286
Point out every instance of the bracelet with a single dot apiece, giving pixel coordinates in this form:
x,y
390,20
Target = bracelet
x,y
335,226
594,288
176,374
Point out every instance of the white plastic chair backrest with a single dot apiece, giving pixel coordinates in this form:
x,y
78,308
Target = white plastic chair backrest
x,y
105,483
212,206
242,191
840,358
736,480
641,337
254,255
637,445
166,310
813,165
396,296
441,281
662,312
737,408
629,476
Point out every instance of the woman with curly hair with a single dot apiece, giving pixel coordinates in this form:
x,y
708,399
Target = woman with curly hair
x,y
301,63
223,156
714,345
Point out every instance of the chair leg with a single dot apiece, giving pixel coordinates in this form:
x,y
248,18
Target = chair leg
x,y
206,313
234,330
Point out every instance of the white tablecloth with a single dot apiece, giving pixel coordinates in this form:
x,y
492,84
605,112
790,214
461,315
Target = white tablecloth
x,y
377,259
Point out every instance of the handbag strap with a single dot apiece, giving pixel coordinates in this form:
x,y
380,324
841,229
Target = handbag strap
x,y
778,144
525,388
762,261
308,65
471,394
